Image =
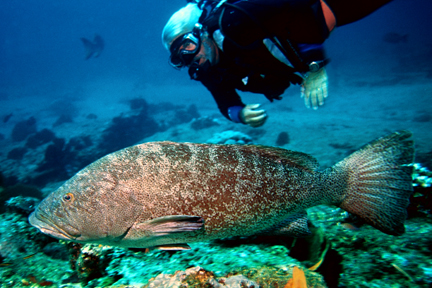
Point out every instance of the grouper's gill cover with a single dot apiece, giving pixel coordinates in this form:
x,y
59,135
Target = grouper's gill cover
x,y
167,194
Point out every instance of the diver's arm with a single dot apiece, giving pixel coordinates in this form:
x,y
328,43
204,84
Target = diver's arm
x,y
226,97
232,107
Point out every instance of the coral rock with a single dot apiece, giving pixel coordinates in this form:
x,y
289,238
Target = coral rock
x,y
24,129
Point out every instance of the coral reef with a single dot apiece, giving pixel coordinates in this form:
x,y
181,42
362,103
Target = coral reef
x,y
138,104
17,153
423,116
18,190
21,205
23,129
125,131
17,238
7,117
251,278
203,123
282,139
198,277
87,261
91,116
424,159
369,255
369,259
64,118
56,250
366,257
21,264
62,160
148,119
46,158
186,115
421,199
42,137
230,137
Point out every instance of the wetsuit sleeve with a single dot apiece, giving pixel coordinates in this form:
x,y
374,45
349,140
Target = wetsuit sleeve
x,y
226,97
312,52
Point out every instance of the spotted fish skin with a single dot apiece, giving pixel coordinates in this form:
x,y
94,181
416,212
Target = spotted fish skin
x,y
166,193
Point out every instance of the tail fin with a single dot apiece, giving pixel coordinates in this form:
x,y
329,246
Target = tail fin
x,y
379,182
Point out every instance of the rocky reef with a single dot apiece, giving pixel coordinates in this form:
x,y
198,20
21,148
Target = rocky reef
x,y
230,137
38,157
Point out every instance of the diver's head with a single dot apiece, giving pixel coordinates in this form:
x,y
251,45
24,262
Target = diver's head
x,y
185,47
181,25
187,41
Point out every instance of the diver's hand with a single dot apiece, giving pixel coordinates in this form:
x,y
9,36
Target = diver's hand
x,y
314,88
250,116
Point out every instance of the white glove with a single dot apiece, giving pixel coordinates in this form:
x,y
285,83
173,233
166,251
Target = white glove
x,y
314,88
250,116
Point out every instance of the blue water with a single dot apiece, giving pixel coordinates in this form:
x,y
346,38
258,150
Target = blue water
x,y
39,42
376,85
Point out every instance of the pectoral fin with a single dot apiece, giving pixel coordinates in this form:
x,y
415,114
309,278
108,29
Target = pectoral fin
x,y
173,224
166,226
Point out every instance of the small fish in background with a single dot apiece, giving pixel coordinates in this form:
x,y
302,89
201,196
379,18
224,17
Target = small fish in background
x,y
349,226
93,48
7,117
395,38
4,264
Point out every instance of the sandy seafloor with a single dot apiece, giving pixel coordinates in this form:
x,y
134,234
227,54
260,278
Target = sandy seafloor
x,y
371,94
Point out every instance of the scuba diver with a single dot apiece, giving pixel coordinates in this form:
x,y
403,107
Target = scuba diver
x,y
259,46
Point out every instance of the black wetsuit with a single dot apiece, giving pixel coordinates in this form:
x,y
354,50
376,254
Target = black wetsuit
x,y
247,65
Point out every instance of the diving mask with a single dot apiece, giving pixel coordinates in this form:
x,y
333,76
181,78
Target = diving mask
x,y
185,48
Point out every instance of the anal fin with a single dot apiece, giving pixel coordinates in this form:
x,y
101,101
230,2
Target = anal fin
x,y
173,247
173,224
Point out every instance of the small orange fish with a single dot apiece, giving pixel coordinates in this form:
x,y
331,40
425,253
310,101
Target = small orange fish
x,y
298,280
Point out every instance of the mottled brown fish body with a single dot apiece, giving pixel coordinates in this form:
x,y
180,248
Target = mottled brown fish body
x,y
238,190
163,193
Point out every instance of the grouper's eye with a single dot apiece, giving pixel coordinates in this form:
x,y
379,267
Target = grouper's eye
x,y
69,197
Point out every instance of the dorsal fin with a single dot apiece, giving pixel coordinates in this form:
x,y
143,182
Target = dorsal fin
x,y
290,157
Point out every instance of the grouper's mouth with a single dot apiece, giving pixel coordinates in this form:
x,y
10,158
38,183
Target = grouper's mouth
x,y
38,220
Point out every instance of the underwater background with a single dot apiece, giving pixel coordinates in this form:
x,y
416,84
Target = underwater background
x,y
60,112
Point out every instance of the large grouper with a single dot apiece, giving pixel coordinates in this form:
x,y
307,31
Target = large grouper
x,y
165,194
